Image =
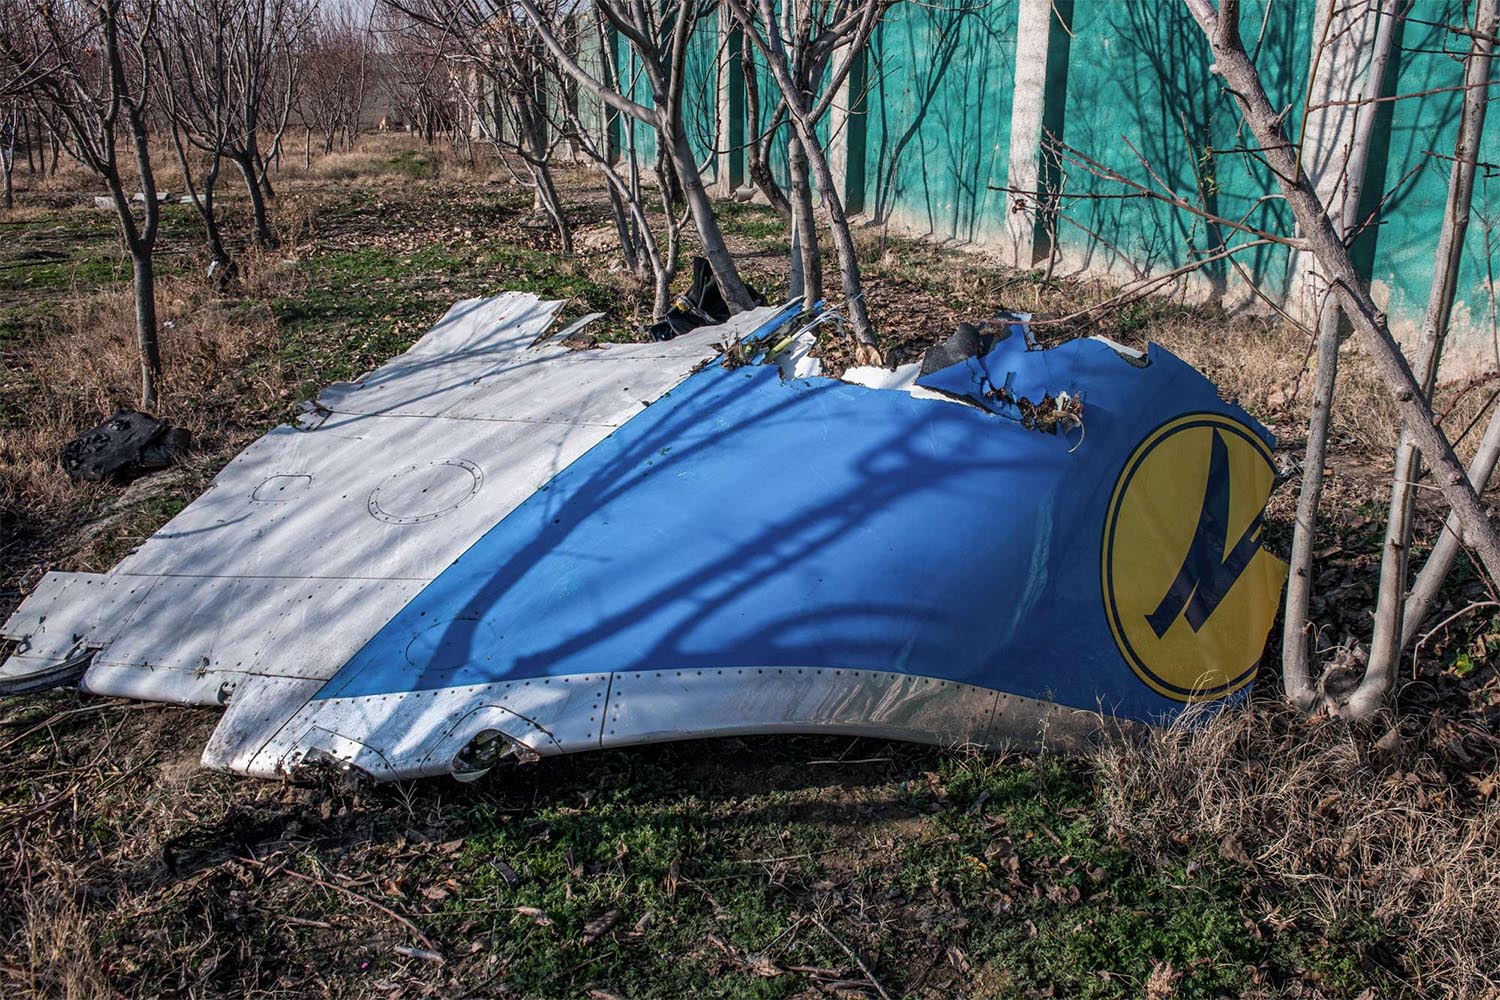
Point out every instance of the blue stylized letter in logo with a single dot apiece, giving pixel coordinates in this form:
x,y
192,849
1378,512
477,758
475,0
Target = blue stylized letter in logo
x,y
1207,570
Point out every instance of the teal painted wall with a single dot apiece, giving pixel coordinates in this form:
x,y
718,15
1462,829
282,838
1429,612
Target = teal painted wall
x,y
1405,244
940,79
633,84
700,96
1138,77
591,57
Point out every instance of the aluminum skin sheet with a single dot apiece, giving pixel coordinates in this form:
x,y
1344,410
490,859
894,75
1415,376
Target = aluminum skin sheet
x,y
315,535
750,553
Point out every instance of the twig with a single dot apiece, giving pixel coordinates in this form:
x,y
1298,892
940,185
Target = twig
x,y
869,976
60,716
10,822
39,810
785,857
423,954
1416,653
1470,386
357,897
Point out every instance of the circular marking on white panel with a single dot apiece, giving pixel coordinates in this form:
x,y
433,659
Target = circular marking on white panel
x,y
425,492
280,489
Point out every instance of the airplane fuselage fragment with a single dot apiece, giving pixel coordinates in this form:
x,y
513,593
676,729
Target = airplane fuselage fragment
x,y
492,547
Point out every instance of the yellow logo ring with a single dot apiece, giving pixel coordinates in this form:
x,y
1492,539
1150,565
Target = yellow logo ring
x,y
1189,591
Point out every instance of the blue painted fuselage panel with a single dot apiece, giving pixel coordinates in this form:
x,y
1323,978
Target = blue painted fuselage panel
x,y
743,520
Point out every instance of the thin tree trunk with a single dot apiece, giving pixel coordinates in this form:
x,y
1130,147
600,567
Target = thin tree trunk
x,y
755,158
12,131
1385,646
216,249
730,285
1234,65
806,223
263,235
202,197
258,162
661,292
843,240
1295,640
1435,570
142,246
145,324
838,222
622,231
551,203
1296,666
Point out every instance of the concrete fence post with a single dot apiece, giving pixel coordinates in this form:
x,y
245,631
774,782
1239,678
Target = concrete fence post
x,y
848,125
1043,30
1342,46
729,149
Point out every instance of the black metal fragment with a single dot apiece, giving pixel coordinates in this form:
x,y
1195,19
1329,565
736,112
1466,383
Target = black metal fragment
x,y
125,445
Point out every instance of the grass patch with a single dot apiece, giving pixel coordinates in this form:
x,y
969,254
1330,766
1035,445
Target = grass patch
x,y
752,222
409,163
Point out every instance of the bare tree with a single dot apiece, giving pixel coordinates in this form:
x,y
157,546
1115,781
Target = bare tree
x,y
89,63
1322,238
12,125
798,40
652,253
195,95
1296,673
657,34
1386,644
261,85
758,140
419,73
285,85
506,76
335,61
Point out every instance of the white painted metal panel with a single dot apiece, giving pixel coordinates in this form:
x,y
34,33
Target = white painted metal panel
x,y
69,609
314,536
197,639
366,498
416,733
67,614
495,327
260,706
604,387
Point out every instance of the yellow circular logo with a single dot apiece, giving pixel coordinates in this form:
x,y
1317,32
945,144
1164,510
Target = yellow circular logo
x,y
1188,587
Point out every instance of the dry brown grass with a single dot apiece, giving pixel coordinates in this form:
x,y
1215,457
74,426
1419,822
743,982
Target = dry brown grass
x,y
1358,832
1269,368
377,161
59,942
87,367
